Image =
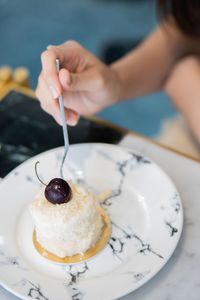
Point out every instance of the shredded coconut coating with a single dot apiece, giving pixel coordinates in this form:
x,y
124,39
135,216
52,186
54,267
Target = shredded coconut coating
x,y
70,228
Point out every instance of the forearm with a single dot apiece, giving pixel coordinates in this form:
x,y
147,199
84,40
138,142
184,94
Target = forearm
x,y
183,87
145,69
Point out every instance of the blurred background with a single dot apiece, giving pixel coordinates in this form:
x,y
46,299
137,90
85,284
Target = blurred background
x,y
107,28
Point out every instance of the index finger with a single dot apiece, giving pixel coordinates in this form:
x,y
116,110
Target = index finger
x,y
48,59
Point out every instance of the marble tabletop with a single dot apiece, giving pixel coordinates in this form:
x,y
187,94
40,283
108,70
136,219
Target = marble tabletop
x,y
180,277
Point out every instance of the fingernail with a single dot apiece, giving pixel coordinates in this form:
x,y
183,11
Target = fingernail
x,y
58,119
53,91
71,121
49,46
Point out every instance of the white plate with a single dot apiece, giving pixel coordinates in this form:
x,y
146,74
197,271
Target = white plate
x,y
145,210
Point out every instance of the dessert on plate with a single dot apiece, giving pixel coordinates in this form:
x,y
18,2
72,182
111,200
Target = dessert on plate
x,y
68,219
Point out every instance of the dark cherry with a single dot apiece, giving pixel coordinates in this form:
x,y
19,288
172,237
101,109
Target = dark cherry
x,y
58,191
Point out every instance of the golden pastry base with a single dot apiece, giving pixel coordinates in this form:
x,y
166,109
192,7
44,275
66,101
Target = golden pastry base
x,y
100,244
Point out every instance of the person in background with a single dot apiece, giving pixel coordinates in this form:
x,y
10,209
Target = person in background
x,y
168,59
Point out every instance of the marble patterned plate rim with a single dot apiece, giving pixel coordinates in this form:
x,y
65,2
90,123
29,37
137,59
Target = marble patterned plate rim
x,y
105,146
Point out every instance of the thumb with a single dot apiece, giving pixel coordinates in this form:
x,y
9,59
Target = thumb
x,y
88,80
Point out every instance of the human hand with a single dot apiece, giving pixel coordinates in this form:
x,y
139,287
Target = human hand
x,y
87,85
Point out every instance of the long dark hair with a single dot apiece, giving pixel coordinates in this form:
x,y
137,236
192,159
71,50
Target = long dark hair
x,y
185,12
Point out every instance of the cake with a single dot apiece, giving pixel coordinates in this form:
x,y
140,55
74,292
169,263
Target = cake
x,y
70,228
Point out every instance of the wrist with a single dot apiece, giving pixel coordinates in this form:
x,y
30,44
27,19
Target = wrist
x,y
118,83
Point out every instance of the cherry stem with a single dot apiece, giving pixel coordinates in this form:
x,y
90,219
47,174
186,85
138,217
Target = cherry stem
x,y
37,173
